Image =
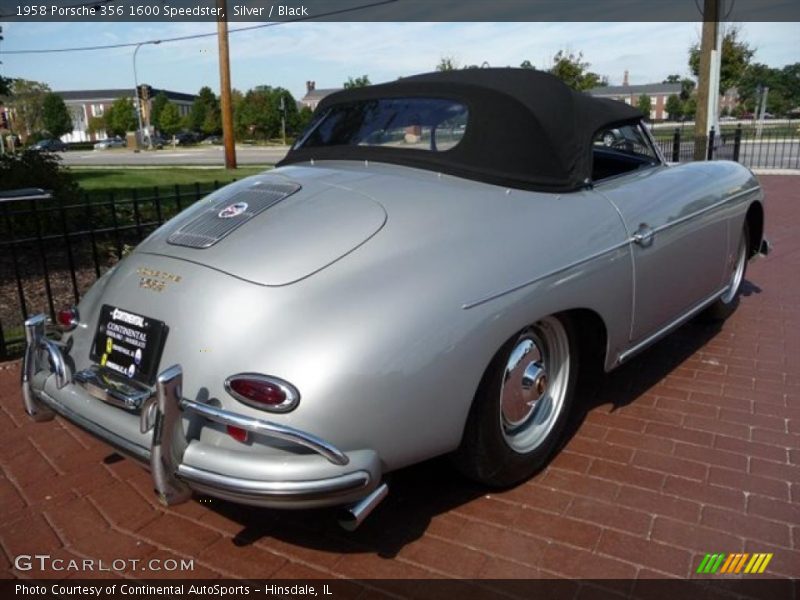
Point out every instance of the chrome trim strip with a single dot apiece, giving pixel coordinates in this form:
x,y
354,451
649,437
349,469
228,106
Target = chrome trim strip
x,y
269,429
574,264
256,488
624,356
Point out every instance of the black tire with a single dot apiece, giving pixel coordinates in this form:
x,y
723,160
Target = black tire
x,y
503,444
726,304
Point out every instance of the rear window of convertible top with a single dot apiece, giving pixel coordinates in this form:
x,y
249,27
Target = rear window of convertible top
x,y
432,124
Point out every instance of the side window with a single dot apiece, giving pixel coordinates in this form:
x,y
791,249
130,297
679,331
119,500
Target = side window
x,y
618,150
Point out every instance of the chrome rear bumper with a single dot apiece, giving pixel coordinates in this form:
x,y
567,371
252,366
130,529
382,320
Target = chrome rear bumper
x,y
347,477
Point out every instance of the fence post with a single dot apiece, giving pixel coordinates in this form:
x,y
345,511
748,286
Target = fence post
x,y
43,256
178,198
737,142
136,216
710,153
157,199
92,238
15,261
3,350
115,223
68,247
676,145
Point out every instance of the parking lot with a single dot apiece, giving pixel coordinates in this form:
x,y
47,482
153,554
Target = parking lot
x,y
691,448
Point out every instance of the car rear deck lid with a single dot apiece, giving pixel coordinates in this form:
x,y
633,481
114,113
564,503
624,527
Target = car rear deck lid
x,y
223,217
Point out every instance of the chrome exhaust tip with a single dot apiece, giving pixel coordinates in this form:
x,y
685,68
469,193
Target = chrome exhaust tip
x,y
354,515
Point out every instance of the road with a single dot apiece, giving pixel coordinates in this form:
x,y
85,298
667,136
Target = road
x,y
775,154
196,155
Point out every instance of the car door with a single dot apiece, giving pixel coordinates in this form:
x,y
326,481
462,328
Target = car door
x,y
678,238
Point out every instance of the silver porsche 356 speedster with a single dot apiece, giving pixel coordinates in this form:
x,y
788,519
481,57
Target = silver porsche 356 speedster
x,y
428,271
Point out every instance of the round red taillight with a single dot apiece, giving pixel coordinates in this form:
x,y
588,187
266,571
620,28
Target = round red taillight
x,y
262,391
67,318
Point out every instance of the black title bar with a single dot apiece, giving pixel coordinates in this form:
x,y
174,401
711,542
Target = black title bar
x,y
393,10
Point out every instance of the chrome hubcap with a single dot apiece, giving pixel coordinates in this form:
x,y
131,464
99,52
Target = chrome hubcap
x,y
534,385
738,273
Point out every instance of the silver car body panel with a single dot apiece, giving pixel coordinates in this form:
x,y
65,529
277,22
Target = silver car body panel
x,y
382,293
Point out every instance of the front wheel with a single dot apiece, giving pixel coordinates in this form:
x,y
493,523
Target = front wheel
x,y
726,304
521,407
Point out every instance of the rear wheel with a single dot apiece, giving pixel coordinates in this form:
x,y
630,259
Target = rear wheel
x,y
726,304
522,404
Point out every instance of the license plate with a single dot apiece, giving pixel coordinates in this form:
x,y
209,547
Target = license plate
x,y
129,344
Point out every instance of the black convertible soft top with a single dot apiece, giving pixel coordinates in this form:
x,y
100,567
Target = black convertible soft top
x,y
526,129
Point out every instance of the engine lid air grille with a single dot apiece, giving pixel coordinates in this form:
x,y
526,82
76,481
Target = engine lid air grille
x,y
224,216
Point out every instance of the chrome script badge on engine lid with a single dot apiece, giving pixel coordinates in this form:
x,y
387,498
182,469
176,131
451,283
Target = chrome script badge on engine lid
x,y
129,344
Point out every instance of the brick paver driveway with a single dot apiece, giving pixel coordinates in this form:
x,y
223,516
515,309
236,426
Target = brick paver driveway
x,y
693,447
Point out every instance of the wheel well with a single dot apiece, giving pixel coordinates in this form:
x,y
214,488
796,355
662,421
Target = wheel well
x,y
593,341
755,226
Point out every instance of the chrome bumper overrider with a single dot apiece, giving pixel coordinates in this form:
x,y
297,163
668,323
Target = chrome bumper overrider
x,y
162,411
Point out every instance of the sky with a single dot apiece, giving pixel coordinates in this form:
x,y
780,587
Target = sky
x,y
290,54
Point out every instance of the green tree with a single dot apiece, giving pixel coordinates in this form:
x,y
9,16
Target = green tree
x,y
447,63
237,97
212,124
783,84
303,118
526,64
572,70
687,88
120,117
674,107
55,116
27,102
256,116
170,120
358,82
205,103
674,78
645,105
5,86
736,55
96,125
690,107
258,113
156,106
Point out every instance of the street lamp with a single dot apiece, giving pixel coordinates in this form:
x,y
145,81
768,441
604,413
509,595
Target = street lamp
x,y
136,88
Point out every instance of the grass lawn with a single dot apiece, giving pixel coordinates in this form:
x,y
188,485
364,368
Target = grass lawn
x,y
131,177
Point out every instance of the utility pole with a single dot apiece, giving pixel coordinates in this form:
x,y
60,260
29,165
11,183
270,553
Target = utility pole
x,y
225,87
708,81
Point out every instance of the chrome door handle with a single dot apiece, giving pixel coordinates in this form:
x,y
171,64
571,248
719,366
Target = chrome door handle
x,y
643,236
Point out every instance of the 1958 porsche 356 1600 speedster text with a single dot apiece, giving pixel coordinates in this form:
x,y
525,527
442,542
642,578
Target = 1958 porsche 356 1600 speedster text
x,y
428,271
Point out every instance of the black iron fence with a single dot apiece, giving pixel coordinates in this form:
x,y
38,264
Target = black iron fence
x,y
769,148
51,253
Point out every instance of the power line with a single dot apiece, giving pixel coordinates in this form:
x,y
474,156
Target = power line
x,y
201,35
